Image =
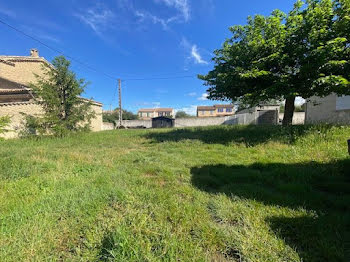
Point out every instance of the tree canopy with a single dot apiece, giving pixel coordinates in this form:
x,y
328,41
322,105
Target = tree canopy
x,y
113,116
182,114
303,53
58,91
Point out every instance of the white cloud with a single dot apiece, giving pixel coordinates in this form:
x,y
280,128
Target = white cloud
x,y
203,97
98,18
182,6
192,53
143,16
191,94
191,110
41,34
156,104
196,56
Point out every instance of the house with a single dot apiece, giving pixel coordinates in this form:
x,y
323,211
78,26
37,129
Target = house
x,y
330,109
260,107
215,111
16,98
149,113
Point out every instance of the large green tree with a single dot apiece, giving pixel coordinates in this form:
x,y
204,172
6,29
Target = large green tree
x,y
58,91
281,56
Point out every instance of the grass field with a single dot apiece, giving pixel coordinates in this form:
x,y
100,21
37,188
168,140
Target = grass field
x,y
209,194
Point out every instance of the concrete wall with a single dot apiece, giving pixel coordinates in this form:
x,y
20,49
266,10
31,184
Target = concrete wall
x,y
137,123
107,126
298,118
241,119
324,110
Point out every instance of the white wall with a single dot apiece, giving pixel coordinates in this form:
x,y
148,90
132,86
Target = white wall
x,y
327,110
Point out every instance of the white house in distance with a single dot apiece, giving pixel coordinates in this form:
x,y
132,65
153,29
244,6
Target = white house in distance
x,y
330,109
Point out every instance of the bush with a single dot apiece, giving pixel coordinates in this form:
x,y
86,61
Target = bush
x,y
4,121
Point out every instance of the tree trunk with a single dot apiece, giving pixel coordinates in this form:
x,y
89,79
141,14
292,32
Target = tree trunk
x,y
289,111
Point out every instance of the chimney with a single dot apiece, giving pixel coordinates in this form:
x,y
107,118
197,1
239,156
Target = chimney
x,y
34,52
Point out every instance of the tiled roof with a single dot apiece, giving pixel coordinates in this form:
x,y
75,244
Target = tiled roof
x,y
18,103
225,106
213,107
205,108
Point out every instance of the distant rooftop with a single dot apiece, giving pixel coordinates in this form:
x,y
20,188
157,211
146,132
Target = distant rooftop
x,y
214,107
156,109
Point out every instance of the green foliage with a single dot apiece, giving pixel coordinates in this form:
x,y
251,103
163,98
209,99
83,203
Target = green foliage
x,y
182,114
281,56
58,91
223,193
114,116
4,121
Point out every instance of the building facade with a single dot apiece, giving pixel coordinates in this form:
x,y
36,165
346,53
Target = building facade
x,y
215,111
331,109
149,113
16,98
261,107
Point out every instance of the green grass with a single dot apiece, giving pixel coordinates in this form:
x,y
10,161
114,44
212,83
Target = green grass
x,y
207,194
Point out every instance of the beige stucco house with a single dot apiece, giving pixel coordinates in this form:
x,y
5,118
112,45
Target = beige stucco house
x,y
215,111
330,109
149,113
16,73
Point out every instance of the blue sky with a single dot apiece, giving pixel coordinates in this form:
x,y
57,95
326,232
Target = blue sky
x,y
132,39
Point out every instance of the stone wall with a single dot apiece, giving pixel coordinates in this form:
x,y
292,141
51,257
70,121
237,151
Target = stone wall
x,y
325,110
16,110
96,122
23,70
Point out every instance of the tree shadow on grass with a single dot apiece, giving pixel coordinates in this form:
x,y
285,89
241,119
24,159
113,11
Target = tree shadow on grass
x,y
323,188
249,135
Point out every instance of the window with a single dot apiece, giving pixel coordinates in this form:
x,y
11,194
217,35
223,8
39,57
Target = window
x,y
147,114
212,112
202,112
220,110
228,110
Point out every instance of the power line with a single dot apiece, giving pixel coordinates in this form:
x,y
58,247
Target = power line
x,y
88,66
56,50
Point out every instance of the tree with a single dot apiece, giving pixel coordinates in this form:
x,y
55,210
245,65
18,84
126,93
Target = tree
x,y
182,114
112,117
281,56
4,121
58,92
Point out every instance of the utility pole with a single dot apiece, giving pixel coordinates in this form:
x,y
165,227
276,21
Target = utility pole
x,y
120,102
